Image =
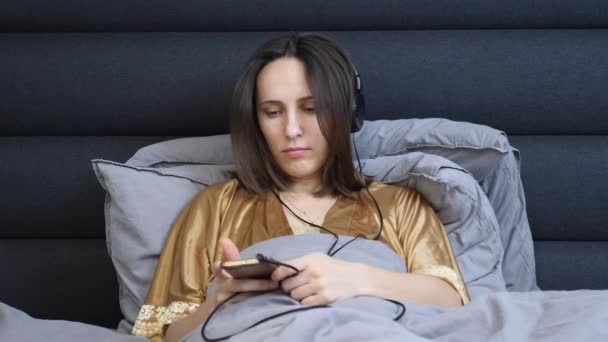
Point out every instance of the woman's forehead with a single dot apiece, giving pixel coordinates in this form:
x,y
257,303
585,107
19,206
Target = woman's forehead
x,y
283,80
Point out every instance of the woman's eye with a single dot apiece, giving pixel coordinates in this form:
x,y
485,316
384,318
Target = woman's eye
x,y
310,109
272,113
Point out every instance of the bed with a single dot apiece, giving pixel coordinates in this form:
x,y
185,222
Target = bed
x,y
106,80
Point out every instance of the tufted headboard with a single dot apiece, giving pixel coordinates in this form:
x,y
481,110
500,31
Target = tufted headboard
x,y
99,79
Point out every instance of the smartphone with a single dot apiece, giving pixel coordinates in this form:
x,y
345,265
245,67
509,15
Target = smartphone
x,y
249,268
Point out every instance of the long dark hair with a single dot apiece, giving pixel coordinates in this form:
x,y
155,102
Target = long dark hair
x,y
329,71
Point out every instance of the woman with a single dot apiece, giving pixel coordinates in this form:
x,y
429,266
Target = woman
x,y
290,121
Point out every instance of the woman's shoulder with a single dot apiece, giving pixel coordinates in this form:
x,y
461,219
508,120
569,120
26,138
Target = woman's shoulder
x,y
217,191
391,188
222,186
228,189
394,193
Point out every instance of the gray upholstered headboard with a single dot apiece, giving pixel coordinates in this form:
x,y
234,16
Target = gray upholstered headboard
x,y
101,79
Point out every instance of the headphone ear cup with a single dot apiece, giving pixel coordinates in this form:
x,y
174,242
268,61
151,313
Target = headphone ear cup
x,y
358,113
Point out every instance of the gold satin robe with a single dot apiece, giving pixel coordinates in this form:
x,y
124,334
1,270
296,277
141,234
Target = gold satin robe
x,y
411,229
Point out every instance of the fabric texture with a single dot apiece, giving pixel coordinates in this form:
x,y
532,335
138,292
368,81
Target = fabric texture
x,y
475,147
142,204
478,76
411,229
504,316
342,15
505,191
500,316
460,204
486,153
18,326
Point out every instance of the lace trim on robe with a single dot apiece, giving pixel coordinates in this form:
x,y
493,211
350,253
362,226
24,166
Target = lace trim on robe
x,y
449,275
151,319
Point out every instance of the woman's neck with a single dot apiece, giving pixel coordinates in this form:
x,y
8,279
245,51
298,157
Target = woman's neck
x,y
303,187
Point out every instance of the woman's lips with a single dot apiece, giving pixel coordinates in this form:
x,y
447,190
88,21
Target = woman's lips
x,y
297,152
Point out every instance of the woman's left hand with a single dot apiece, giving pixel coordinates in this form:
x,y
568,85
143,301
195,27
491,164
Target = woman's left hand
x,y
322,279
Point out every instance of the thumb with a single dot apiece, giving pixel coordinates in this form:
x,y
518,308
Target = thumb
x,y
231,251
218,271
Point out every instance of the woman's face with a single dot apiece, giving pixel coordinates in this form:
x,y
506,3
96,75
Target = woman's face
x,y
287,118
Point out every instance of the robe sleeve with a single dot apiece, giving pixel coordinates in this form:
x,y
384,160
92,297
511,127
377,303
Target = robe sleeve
x,y
183,272
425,242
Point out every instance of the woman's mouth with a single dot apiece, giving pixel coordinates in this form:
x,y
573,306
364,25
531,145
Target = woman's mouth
x,y
296,151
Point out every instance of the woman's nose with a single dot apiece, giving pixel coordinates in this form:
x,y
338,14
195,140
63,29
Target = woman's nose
x,y
293,127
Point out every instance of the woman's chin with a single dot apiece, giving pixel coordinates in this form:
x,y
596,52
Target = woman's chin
x,y
301,168
302,174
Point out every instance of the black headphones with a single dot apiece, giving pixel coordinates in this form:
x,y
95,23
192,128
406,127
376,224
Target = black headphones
x,y
358,106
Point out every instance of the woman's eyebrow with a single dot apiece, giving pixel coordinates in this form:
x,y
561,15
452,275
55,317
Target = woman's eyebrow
x,y
277,101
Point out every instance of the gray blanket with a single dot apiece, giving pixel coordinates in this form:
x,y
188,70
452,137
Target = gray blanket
x,y
504,316
17,326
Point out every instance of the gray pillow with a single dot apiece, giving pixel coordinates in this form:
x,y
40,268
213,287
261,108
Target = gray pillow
x,y
462,207
142,204
475,147
483,151
505,192
140,207
487,154
214,149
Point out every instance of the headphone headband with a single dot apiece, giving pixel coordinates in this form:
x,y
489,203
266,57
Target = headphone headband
x,y
357,80
358,111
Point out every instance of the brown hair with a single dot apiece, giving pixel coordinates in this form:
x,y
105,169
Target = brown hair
x,y
331,79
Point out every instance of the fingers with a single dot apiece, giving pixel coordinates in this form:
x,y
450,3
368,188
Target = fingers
x,y
218,271
302,292
282,272
216,268
312,300
249,285
294,281
231,251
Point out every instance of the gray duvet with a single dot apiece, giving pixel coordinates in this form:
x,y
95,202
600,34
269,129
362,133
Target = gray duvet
x,y
500,316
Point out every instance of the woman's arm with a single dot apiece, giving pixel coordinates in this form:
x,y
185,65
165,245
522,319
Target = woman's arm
x,y
226,286
414,287
325,280
424,240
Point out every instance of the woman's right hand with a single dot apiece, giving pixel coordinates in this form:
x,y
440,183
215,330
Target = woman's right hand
x,y
226,285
